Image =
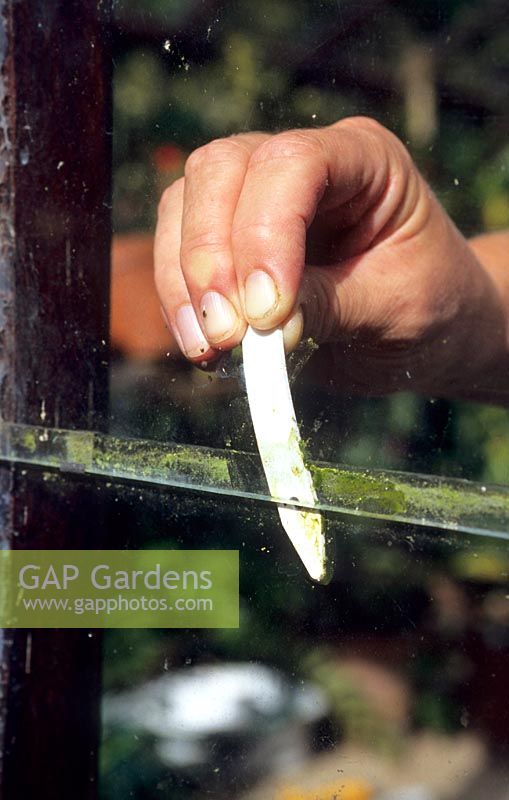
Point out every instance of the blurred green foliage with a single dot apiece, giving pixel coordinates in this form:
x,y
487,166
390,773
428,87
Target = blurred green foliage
x,y
188,72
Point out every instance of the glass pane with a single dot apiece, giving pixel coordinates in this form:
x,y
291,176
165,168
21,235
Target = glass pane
x,y
390,682
386,684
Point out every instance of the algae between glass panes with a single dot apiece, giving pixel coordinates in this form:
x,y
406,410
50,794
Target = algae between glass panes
x,y
426,501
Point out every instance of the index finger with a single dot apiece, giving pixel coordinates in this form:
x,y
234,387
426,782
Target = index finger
x,y
287,179
214,177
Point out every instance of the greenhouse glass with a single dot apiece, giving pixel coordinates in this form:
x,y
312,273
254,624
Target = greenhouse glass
x,y
389,683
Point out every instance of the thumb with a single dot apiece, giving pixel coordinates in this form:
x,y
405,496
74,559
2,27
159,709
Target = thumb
x,y
316,313
332,303
330,306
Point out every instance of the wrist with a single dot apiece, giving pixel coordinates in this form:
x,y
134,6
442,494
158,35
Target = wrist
x,y
479,364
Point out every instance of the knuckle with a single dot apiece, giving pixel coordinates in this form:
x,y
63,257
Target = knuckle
x,y
379,138
203,243
290,144
254,231
195,160
385,147
361,122
321,305
170,197
240,144
389,141
355,310
268,237
218,151
259,234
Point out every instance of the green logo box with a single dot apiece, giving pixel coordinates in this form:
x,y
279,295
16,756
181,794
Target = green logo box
x,y
119,588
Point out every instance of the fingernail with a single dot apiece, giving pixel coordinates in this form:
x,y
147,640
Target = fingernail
x,y
261,294
293,330
193,340
219,316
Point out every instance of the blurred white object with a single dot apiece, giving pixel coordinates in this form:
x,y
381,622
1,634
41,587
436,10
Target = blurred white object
x,y
189,708
409,793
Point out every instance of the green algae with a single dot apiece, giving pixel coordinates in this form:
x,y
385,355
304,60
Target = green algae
x,y
139,458
28,441
451,504
360,490
412,497
80,448
416,499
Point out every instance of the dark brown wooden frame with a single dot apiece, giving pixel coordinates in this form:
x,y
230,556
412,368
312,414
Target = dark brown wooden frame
x,y
55,141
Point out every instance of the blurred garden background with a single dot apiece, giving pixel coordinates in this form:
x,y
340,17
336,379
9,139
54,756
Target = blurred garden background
x,y
410,640
436,73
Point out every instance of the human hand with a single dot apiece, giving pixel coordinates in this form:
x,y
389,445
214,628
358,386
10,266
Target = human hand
x,y
334,234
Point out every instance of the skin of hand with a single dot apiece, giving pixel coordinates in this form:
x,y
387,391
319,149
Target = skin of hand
x,y
333,233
